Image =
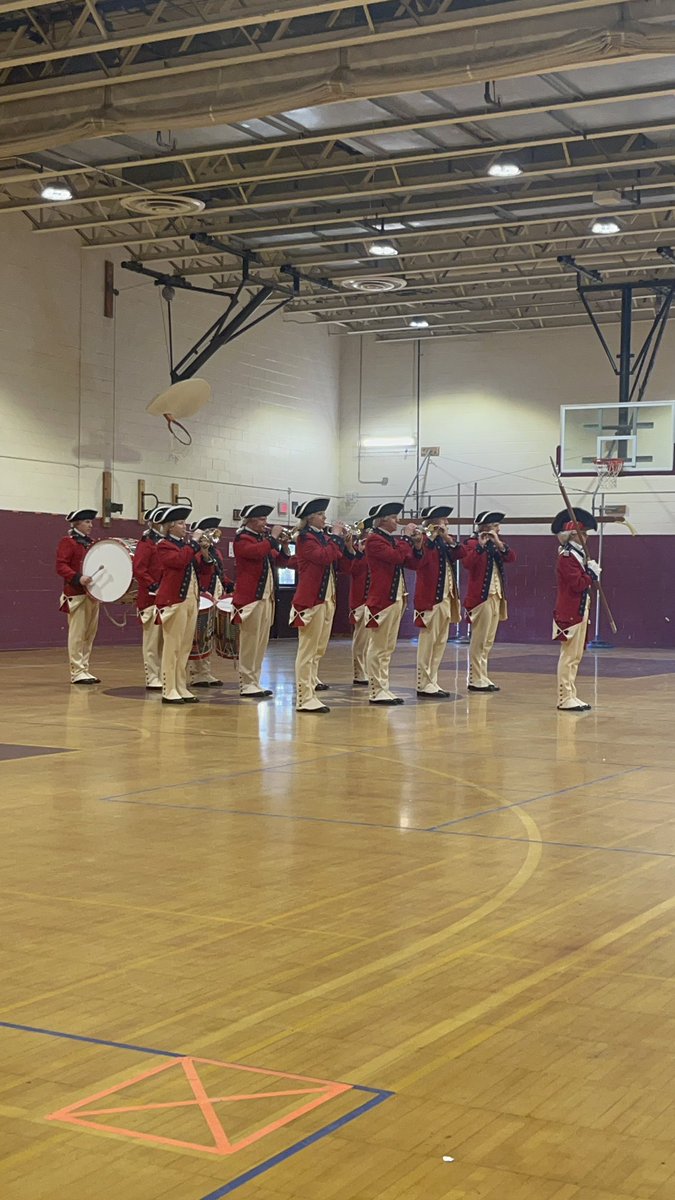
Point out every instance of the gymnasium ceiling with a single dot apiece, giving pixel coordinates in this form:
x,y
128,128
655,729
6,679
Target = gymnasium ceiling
x,y
308,128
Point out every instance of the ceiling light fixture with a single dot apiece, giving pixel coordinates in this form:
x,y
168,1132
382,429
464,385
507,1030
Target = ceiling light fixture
x,y
419,323
56,191
382,249
605,225
504,168
387,443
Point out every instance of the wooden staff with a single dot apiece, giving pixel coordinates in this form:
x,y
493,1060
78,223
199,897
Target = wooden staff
x,y
581,533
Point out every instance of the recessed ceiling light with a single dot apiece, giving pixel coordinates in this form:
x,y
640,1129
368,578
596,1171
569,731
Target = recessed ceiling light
x,y
419,323
56,191
382,249
603,225
504,168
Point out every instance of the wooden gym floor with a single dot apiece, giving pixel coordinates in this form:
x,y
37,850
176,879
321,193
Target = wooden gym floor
x,y
423,953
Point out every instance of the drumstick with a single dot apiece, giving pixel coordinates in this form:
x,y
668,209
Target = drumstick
x,y
97,571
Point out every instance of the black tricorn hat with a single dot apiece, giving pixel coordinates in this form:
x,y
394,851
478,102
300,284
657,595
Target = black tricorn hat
x,y
584,519
436,511
309,507
389,509
489,518
255,510
174,512
81,514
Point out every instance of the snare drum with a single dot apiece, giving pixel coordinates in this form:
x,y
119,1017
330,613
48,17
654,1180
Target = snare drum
x,y
110,565
203,639
226,633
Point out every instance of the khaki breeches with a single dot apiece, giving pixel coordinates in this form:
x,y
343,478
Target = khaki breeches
x,y
153,640
431,646
484,624
312,645
381,646
254,636
571,654
178,625
82,626
360,640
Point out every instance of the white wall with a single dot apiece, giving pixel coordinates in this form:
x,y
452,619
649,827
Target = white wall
x,y
492,403
74,387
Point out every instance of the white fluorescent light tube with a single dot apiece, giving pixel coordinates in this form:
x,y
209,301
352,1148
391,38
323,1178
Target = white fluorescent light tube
x,y
388,443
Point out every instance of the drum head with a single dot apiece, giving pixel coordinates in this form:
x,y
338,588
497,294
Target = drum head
x,y
110,565
225,604
205,602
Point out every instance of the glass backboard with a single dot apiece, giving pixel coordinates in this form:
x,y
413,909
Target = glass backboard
x,y
643,435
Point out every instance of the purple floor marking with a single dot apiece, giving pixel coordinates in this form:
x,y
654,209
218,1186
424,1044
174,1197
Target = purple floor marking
x,y
9,751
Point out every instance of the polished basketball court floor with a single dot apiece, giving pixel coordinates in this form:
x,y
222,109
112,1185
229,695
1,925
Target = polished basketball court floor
x,y
403,954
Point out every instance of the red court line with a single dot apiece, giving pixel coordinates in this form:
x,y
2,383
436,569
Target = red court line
x,y
212,1120
97,1112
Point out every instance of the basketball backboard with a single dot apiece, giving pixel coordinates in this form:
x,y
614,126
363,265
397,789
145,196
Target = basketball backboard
x,y
643,435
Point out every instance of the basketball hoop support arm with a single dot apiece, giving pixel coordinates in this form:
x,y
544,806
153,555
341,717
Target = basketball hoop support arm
x,y
239,315
633,371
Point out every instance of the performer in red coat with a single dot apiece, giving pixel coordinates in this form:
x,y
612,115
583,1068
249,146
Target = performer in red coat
x,y
256,551
359,580
387,556
213,583
317,556
485,601
177,602
146,573
436,599
576,574
82,609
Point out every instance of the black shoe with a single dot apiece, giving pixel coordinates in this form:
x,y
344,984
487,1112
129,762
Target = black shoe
x,y
359,683
493,688
321,687
190,700
471,687
215,683
579,708
261,695
165,701
83,682
267,692
200,683
439,695
324,709
395,700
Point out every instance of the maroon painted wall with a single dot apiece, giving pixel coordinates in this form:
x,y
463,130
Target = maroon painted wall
x,y
639,579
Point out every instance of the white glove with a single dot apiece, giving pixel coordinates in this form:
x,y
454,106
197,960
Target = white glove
x,y
594,568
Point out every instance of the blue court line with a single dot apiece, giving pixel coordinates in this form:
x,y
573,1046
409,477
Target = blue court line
x,y
78,1037
496,837
377,1097
486,812
245,812
167,787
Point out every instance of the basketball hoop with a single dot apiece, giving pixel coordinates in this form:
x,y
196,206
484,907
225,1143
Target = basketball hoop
x,y
608,470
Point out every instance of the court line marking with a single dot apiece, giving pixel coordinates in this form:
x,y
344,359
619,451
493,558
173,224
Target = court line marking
x,y
544,796
167,787
495,837
376,1096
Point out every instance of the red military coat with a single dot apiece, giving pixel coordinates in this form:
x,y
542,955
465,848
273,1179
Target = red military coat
x,y
387,555
209,572
70,554
254,554
317,555
574,589
480,562
359,579
431,575
178,567
147,569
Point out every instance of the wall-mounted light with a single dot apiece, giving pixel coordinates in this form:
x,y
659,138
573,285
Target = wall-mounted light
x,y
382,249
387,443
504,168
605,225
56,191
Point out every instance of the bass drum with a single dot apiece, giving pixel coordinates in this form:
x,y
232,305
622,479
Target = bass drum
x,y
110,565
226,633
